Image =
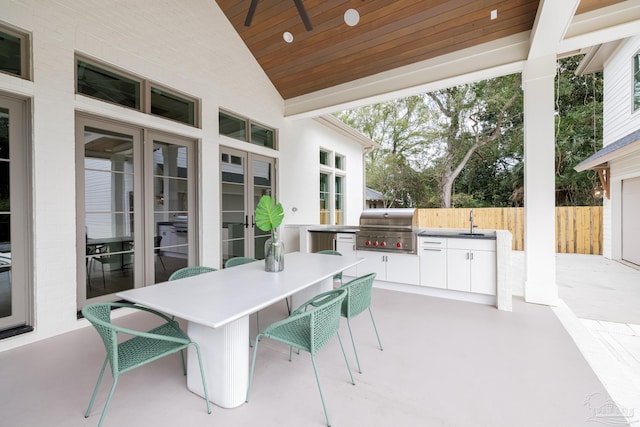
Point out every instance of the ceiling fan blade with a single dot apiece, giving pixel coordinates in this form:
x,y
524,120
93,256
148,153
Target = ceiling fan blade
x,y
252,11
303,14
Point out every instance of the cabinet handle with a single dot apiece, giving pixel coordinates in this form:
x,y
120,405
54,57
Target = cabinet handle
x,y
354,247
246,221
471,256
467,255
432,250
433,243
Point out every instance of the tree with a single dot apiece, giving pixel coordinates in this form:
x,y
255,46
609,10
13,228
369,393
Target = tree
x,y
473,115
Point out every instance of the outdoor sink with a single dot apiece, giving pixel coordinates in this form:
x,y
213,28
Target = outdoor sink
x,y
471,234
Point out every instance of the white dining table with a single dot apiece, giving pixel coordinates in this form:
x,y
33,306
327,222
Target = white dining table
x,y
217,307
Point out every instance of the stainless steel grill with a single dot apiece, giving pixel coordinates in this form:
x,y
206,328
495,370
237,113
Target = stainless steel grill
x,y
387,230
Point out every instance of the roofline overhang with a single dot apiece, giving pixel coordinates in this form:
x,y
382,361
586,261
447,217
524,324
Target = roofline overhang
x,y
602,158
342,128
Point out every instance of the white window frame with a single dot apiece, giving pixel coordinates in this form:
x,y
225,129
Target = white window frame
x,y
332,172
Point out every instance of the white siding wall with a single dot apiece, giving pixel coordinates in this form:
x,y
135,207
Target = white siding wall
x,y
188,46
619,120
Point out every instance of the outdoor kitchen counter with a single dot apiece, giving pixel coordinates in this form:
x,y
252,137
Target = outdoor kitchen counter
x,y
456,233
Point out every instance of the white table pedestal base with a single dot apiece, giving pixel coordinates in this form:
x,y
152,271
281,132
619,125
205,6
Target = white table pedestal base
x,y
225,355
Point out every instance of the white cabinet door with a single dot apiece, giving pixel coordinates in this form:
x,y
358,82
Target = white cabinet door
x,y
458,270
483,272
373,263
346,245
433,267
403,268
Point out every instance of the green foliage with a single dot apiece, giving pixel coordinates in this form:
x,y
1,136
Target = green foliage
x,y
269,215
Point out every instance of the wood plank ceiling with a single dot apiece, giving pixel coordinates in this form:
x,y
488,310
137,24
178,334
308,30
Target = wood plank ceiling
x,y
390,34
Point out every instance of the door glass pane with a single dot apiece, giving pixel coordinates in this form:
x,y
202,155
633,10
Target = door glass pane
x,y
233,206
171,208
5,219
109,211
262,185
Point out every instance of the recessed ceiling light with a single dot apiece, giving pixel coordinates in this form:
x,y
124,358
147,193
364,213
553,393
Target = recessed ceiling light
x,y
351,17
287,36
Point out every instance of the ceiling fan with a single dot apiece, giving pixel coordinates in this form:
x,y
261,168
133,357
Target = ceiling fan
x,y
301,10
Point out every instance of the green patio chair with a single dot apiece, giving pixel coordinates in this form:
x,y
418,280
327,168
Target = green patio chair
x,y
330,252
239,260
358,300
308,328
142,348
190,271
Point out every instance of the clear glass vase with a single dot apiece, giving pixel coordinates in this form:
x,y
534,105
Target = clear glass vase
x,y
274,254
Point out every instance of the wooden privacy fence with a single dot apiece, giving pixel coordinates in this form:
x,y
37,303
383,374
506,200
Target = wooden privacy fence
x,y
578,228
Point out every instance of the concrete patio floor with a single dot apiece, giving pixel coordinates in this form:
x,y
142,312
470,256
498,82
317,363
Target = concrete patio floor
x,y
600,308
445,363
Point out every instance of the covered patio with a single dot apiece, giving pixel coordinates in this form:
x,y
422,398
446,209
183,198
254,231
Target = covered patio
x,y
444,362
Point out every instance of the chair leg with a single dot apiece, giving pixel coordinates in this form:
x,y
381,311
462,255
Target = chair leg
x,y
324,408
345,359
184,365
354,346
375,329
253,365
288,306
204,382
95,390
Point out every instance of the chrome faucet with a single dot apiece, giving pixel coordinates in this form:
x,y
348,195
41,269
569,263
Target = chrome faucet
x,y
471,224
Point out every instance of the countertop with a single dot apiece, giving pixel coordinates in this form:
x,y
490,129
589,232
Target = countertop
x,y
333,229
456,233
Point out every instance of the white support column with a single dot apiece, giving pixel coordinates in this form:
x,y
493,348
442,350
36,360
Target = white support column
x,y
539,181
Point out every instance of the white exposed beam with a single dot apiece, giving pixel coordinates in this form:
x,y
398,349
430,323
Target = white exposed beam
x,y
551,24
615,22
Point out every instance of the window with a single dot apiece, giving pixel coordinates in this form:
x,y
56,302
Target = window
x,y
636,81
136,212
324,198
14,52
243,129
115,86
332,195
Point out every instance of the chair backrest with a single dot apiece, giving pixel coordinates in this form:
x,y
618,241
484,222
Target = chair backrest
x,y
190,271
329,252
325,317
358,295
239,260
156,243
99,315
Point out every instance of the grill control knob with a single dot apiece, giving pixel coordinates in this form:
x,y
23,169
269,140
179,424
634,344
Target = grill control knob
x,y
383,244
367,243
399,245
375,243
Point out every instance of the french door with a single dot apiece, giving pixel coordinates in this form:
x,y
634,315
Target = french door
x,y
245,177
136,207
15,235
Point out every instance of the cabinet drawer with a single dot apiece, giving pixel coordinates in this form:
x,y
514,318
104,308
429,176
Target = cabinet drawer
x,y
432,242
473,244
346,238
